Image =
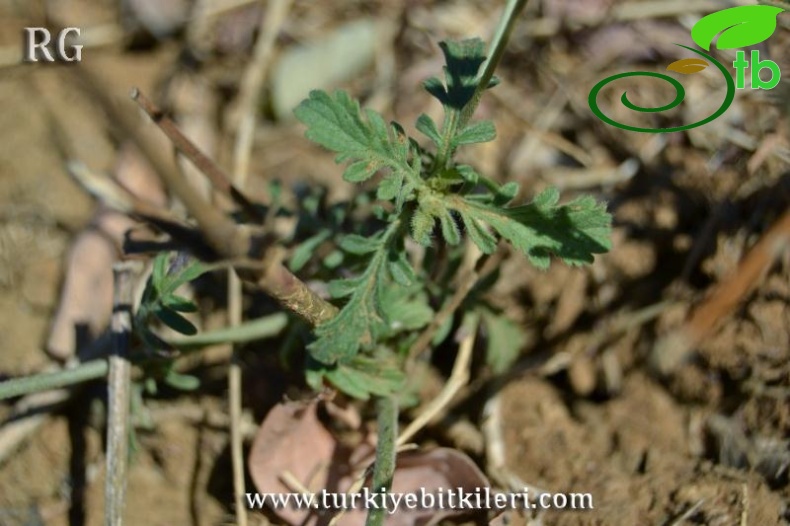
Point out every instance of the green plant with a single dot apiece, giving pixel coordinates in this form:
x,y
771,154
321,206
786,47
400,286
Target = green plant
x,y
394,303
424,194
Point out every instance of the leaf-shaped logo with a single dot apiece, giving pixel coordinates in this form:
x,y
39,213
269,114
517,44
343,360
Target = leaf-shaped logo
x,y
687,66
742,26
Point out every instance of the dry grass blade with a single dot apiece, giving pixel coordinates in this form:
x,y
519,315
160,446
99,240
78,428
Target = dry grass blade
x,y
468,278
459,377
251,86
670,351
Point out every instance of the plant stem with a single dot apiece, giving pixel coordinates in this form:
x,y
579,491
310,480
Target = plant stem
x,y
455,120
226,238
384,469
119,380
257,329
188,149
83,372
495,52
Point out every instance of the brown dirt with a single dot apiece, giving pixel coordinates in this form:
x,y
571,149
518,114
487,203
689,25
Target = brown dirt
x,y
582,411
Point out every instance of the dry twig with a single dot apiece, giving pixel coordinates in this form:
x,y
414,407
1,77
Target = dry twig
x,y
671,350
251,86
119,381
467,279
226,238
459,377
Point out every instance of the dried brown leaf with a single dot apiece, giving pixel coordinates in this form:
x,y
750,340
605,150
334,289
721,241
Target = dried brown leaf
x,y
291,440
429,472
292,444
86,298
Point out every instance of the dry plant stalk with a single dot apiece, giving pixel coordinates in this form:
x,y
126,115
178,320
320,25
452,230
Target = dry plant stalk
x,y
671,350
119,381
251,86
227,239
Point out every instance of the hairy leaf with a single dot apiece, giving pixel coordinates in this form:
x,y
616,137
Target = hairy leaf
x,y
427,127
359,377
505,341
407,309
573,232
359,245
422,226
340,288
301,255
399,268
463,59
482,131
335,122
362,318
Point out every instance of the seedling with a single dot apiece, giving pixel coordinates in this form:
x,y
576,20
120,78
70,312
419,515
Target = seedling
x,y
387,306
423,194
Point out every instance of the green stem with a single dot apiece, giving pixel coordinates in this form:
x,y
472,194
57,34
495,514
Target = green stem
x,y
454,120
257,329
384,469
45,381
495,52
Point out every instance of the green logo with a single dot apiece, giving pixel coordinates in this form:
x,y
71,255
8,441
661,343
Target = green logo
x,y
739,27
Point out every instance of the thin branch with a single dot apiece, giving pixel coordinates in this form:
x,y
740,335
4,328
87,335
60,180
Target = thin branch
x,y
384,469
495,52
27,417
117,197
221,233
251,87
257,329
458,379
671,350
84,372
119,382
228,239
468,278
188,149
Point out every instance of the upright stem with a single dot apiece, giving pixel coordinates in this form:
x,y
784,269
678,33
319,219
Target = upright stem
x,y
384,469
495,52
119,391
455,120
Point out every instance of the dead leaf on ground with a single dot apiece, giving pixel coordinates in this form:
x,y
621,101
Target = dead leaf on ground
x,y
86,298
292,443
430,472
291,440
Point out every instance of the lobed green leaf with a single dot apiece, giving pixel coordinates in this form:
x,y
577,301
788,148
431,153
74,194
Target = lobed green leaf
x,y
370,144
573,232
463,59
482,131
